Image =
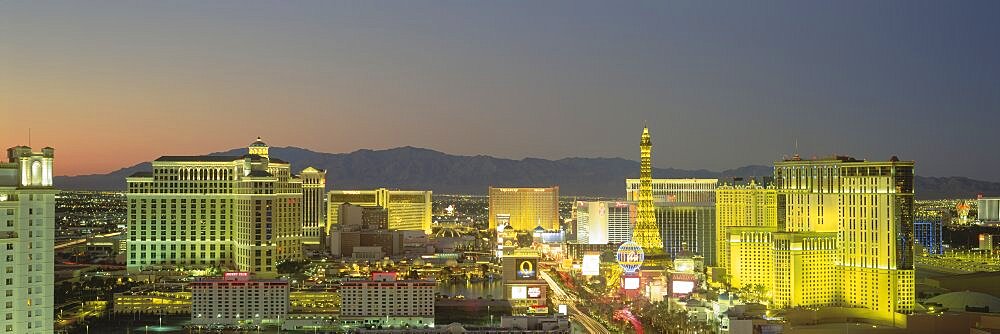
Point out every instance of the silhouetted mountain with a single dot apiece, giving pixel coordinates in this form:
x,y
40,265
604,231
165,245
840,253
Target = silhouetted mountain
x,y
418,168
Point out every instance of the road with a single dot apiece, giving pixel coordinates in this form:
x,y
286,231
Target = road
x,y
80,241
561,297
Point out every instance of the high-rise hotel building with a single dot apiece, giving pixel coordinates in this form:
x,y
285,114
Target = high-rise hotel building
x,y
406,209
313,205
239,212
599,223
528,207
675,190
867,207
751,205
684,210
27,227
843,235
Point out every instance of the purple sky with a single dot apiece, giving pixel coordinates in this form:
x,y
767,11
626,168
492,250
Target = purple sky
x,y
721,84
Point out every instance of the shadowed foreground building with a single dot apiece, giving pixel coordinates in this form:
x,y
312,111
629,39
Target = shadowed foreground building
x,y
241,212
27,225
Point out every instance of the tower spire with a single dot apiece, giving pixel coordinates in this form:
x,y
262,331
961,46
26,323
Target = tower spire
x,y
646,232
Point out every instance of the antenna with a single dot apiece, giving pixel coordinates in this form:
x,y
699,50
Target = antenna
x,y
29,137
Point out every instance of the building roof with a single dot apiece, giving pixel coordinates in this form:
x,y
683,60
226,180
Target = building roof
x,y
958,301
208,158
260,173
258,143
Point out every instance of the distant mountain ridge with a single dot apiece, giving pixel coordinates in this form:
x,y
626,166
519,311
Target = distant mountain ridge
x,y
418,168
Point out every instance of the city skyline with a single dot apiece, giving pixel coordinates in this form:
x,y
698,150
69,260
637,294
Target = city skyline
x,y
870,80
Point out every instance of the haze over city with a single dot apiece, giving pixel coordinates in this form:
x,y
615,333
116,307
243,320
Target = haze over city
x,y
722,85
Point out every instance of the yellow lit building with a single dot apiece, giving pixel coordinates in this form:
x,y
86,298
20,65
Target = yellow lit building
x,y
407,210
805,269
750,205
868,206
754,249
528,207
241,212
843,236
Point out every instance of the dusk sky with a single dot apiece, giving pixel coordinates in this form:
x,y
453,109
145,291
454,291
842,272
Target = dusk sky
x,y
721,84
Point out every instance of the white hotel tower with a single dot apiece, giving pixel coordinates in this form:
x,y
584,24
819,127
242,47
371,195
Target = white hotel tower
x,y
238,212
27,227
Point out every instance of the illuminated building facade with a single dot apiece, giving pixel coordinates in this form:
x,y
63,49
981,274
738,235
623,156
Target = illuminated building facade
x,y
861,212
242,212
687,226
750,205
313,206
805,269
386,301
527,207
154,302
646,233
604,222
406,209
927,233
675,190
753,249
27,224
988,209
235,299
523,287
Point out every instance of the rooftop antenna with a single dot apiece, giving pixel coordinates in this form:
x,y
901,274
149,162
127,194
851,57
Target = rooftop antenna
x,y
29,137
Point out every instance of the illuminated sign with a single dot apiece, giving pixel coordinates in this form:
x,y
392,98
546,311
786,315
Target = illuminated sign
x,y
534,292
518,292
681,287
591,265
630,283
562,309
630,256
526,269
235,276
538,309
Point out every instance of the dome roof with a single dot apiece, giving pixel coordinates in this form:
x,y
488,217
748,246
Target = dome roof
x,y
957,301
258,143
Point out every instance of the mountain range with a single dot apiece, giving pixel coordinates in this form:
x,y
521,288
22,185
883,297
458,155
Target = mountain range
x,y
419,168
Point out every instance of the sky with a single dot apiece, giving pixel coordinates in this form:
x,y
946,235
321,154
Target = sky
x,y
721,84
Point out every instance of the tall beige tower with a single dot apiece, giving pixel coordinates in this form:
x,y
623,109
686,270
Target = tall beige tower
x,y
646,232
313,207
27,228
236,212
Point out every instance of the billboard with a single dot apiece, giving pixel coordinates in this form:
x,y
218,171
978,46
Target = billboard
x,y
591,265
630,283
681,287
518,292
534,292
526,269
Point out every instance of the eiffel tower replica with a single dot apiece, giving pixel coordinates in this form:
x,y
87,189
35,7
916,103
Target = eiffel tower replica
x,y
647,232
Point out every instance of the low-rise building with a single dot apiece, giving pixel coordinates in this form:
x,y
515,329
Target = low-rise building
x,y
385,301
236,299
153,302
